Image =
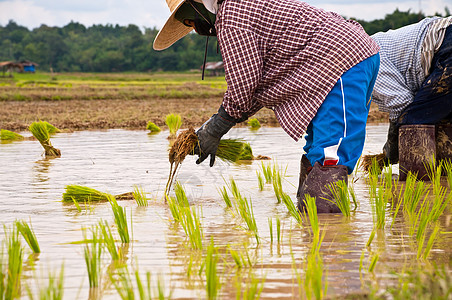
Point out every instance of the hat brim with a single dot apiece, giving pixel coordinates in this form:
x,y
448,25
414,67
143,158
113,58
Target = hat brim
x,y
171,32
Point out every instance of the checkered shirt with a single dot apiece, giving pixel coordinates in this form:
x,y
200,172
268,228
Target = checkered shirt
x,y
286,56
401,73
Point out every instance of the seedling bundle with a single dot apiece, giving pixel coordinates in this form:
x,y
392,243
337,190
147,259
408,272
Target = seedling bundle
x,y
41,131
231,150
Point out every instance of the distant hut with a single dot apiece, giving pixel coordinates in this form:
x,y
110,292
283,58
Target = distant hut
x,y
29,66
215,68
9,66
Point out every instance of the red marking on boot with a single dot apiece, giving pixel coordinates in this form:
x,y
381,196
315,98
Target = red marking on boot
x,y
330,162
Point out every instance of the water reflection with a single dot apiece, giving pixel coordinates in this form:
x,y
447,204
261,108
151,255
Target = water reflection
x,y
115,161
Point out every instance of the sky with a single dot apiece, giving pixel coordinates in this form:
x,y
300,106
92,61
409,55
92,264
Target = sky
x,y
154,13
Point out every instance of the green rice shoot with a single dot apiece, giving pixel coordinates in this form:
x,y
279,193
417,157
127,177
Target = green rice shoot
x,y
92,254
6,135
85,194
260,180
15,263
120,215
109,241
174,122
341,195
140,196
212,279
29,235
293,210
152,127
53,290
254,123
311,215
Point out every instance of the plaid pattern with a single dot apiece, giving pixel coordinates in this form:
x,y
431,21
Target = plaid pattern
x,y
401,73
286,56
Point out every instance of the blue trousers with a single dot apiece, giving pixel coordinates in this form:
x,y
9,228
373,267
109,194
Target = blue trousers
x,y
432,103
336,134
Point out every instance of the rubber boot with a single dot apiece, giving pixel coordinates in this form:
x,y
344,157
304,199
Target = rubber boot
x,y
305,168
316,185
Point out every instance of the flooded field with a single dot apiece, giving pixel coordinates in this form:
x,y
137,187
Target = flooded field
x,y
115,161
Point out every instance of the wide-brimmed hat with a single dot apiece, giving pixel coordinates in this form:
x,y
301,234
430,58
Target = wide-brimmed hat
x,y
173,30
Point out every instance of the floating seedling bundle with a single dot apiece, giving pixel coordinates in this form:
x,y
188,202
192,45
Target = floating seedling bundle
x,y
6,135
78,193
41,131
230,150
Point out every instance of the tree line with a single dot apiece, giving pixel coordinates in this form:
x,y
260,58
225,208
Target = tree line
x,y
114,48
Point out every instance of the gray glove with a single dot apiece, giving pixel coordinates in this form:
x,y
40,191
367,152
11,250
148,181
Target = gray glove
x,y
210,133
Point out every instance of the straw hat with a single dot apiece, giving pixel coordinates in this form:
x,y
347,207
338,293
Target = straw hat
x,y
173,30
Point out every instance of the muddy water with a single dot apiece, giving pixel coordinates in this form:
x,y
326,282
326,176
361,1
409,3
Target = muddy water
x,y
114,161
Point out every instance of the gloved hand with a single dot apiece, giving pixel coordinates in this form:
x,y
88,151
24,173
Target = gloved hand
x,y
391,147
210,133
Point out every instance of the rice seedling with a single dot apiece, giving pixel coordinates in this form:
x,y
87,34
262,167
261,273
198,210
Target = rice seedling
x,y
140,196
429,282
212,279
234,189
6,135
424,253
251,288
41,131
254,123
108,240
447,164
54,290
225,197
120,219
152,127
277,184
314,285
244,208
379,198
293,210
15,259
267,171
270,226
371,237
413,192
278,229
260,180
174,122
311,214
93,253
78,193
29,235
241,260
340,192
373,262
434,173
191,223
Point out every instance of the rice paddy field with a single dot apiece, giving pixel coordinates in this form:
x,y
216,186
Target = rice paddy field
x,y
226,232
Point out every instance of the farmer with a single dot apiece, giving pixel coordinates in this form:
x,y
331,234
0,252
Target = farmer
x,y
414,83
314,69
